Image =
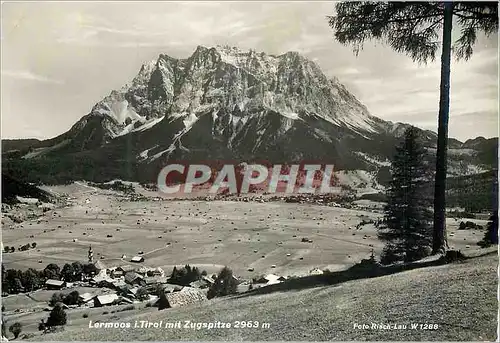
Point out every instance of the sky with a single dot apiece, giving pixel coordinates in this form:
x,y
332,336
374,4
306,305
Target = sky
x,y
60,58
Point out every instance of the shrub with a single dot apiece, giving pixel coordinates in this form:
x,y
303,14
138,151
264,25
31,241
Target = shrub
x,y
105,312
16,329
85,315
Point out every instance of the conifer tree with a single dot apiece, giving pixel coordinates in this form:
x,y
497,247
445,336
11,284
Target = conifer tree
x,y
419,29
408,216
57,316
224,284
491,234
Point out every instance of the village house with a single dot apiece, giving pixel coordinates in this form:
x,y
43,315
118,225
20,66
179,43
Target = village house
x,y
99,266
125,268
200,284
104,300
208,279
116,273
55,284
155,272
128,291
169,288
137,259
84,298
155,280
132,278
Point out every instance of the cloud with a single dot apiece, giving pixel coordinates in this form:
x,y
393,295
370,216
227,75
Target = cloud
x,y
29,76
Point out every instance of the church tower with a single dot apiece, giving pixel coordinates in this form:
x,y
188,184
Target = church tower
x,y
91,255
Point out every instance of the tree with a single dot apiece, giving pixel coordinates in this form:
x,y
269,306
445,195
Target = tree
x,y
42,326
407,229
16,329
56,299
57,316
67,273
89,269
185,275
52,271
162,299
6,249
224,284
142,294
4,280
72,298
33,245
30,279
413,28
491,235
77,271
4,332
12,281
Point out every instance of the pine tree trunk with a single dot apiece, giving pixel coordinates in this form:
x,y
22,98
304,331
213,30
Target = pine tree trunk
x,y
440,244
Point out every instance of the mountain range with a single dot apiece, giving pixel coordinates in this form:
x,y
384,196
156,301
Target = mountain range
x,y
224,103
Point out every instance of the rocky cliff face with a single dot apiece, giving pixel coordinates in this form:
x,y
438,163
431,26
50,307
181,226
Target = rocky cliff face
x,y
226,103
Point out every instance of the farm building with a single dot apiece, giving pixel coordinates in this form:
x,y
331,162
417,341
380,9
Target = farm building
x,y
152,280
316,271
103,300
188,296
132,278
55,284
137,259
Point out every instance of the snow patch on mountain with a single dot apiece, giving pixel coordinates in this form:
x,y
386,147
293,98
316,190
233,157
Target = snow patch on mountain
x,y
361,180
373,159
144,154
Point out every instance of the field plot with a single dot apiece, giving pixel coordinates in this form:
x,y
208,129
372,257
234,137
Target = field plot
x,y
262,237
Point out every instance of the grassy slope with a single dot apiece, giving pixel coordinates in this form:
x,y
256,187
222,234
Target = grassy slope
x,y
461,298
